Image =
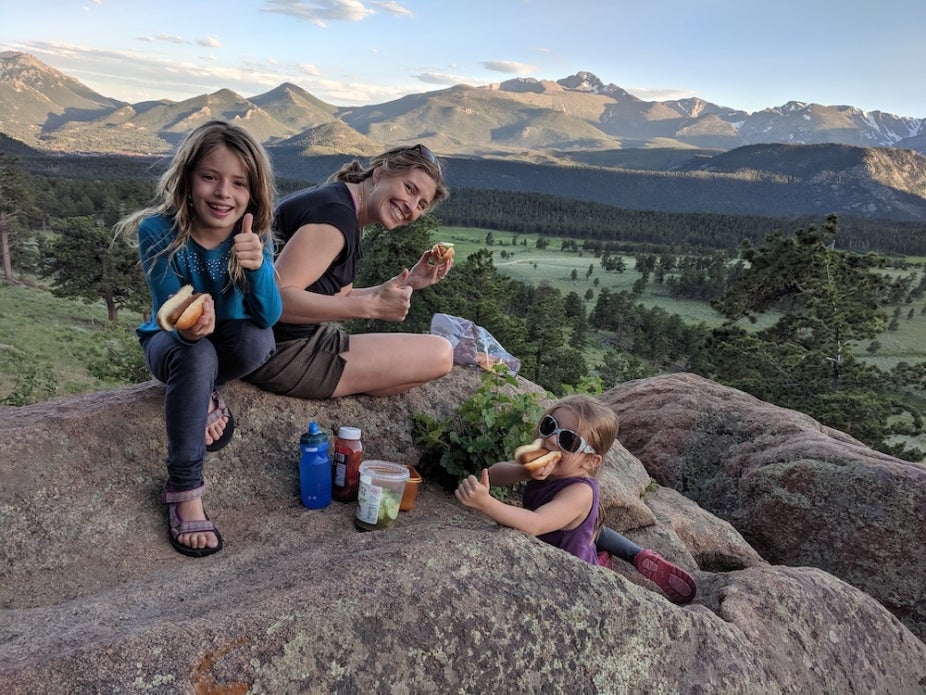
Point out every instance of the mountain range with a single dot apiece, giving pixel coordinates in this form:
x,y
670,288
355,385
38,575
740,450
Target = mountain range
x,y
576,126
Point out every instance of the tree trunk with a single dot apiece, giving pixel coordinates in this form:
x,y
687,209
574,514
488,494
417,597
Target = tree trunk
x,y
5,250
112,311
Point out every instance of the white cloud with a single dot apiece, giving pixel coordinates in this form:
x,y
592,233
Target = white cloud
x,y
395,8
210,42
319,12
509,66
442,78
169,38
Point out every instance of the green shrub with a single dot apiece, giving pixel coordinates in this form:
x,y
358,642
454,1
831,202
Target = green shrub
x,y
123,361
31,382
487,428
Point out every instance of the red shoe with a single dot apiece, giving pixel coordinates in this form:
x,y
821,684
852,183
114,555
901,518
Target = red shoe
x,y
605,560
672,579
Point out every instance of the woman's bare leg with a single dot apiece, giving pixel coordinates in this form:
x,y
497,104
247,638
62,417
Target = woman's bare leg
x,y
383,364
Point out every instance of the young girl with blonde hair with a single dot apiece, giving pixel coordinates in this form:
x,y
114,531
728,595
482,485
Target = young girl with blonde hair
x,y
209,228
560,501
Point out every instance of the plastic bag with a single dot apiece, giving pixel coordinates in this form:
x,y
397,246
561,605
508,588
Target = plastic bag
x,y
472,345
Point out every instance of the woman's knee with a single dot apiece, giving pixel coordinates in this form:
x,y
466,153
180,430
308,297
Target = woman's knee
x,y
200,356
444,354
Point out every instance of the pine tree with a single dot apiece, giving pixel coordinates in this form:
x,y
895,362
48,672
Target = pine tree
x,y
826,303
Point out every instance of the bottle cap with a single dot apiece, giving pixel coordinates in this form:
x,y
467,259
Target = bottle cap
x,y
349,433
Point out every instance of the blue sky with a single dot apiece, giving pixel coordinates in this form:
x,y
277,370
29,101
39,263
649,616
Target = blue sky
x,y
742,54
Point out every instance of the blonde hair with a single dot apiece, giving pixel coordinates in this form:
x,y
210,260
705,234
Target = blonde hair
x,y
394,162
597,423
175,187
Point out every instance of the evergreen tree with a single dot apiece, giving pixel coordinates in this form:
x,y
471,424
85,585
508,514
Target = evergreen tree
x,y
827,304
385,254
13,202
86,263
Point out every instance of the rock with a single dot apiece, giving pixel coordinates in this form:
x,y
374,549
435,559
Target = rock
x,y
94,598
799,492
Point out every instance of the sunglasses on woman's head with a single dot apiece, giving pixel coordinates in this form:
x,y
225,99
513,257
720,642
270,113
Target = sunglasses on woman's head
x,y
427,154
569,441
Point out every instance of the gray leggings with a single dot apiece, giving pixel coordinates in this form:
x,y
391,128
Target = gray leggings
x,y
616,544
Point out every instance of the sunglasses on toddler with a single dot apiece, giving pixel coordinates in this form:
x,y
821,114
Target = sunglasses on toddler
x,y
569,441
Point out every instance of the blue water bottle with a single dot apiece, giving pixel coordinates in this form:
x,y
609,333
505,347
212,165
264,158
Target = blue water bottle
x,y
314,468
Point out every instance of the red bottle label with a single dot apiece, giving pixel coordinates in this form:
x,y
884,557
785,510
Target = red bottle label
x,y
348,454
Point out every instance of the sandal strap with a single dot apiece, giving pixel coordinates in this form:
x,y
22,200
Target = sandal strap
x,y
221,409
193,527
175,496
178,526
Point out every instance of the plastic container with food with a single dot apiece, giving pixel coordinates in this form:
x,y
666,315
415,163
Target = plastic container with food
x,y
379,497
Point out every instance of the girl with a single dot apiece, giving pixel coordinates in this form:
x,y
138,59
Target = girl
x,y
216,192
321,228
560,501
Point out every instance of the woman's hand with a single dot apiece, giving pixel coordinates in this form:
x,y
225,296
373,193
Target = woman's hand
x,y
426,273
472,492
247,247
393,299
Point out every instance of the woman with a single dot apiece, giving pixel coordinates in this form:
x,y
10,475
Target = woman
x,y
321,230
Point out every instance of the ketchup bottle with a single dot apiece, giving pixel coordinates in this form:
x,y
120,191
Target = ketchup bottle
x,y
348,454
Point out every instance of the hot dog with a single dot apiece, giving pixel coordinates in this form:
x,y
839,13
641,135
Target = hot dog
x,y
535,456
442,252
182,310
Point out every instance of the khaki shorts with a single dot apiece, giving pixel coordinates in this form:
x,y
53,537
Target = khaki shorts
x,y
307,368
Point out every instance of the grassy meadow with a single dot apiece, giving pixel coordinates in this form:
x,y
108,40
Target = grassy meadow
x,y
50,342
528,263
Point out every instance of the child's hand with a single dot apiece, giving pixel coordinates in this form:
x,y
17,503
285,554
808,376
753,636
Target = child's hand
x,y
204,326
544,472
474,493
247,246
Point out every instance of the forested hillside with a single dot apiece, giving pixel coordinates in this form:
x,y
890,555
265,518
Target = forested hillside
x,y
65,184
823,304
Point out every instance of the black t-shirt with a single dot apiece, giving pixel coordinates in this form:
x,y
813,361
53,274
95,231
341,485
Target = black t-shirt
x,y
328,203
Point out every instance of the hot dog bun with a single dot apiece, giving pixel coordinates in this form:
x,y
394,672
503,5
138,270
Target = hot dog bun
x,y
182,310
535,456
442,252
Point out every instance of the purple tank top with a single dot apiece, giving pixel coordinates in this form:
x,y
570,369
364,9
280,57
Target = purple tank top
x,y
579,541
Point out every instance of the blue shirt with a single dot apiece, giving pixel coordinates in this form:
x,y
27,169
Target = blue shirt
x,y
207,271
